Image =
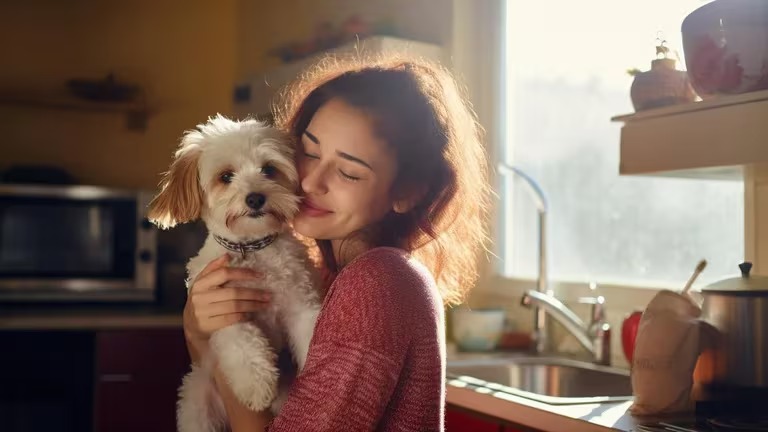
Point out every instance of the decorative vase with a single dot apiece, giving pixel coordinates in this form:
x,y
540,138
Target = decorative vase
x,y
662,85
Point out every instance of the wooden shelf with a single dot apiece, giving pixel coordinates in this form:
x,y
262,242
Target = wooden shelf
x,y
713,139
136,113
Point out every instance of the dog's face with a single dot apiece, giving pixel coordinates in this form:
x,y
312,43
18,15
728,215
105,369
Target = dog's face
x,y
238,176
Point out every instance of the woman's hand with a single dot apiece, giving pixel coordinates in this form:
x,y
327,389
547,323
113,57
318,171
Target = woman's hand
x,y
215,302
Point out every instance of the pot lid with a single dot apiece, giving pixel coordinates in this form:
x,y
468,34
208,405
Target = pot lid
x,y
744,283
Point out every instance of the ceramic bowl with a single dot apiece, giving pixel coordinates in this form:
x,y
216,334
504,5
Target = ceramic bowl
x,y
725,43
477,329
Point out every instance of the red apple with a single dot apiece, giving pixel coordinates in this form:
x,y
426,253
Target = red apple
x,y
629,333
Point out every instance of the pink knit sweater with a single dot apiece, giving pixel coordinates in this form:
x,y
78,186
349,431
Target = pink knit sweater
x,y
377,357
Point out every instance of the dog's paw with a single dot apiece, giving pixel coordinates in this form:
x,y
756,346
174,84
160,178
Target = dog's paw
x,y
199,408
248,364
257,394
253,381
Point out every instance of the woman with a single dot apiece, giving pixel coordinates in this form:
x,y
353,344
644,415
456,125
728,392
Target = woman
x,y
393,176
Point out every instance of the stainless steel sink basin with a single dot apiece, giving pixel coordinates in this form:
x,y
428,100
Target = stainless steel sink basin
x,y
549,380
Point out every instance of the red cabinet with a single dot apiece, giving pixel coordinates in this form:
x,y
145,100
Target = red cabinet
x,y
137,375
461,420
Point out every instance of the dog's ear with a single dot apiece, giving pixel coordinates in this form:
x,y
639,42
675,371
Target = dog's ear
x,y
181,197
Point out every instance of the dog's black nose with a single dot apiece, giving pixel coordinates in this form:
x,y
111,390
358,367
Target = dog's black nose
x,y
255,201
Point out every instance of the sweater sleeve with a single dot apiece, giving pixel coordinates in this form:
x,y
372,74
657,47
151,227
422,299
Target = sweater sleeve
x,y
358,349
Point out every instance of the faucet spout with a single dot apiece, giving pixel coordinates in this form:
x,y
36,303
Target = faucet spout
x,y
542,281
594,336
539,198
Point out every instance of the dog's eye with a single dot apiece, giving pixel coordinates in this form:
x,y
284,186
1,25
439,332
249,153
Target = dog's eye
x,y
269,171
226,177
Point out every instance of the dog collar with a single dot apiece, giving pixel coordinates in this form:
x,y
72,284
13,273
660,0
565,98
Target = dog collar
x,y
251,246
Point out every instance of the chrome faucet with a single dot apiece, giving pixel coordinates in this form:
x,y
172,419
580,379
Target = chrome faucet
x,y
537,194
594,336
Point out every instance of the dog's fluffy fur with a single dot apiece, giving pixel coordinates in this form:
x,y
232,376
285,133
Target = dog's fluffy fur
x,y
216,168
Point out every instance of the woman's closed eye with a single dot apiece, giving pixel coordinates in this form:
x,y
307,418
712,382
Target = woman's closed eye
x,y
310,155
349,177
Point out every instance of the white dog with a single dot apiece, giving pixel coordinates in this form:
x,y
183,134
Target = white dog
x,y
240,178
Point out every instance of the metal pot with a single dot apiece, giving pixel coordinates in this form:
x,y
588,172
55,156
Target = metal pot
x,y
738,309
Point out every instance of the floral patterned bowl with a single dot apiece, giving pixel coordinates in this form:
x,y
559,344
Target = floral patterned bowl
x,y
726,47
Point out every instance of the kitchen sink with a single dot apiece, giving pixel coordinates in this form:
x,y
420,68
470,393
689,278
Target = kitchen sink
x,y
554,381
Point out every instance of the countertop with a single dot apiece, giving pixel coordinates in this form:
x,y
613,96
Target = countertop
x,y
96,317
589,417
574,418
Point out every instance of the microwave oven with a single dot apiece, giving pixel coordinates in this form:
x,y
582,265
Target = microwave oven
x,y
76,243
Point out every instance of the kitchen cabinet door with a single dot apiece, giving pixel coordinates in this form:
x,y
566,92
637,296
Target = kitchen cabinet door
x,y
457,420
138,373
46,381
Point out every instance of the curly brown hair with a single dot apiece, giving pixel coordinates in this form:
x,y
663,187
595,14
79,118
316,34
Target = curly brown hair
x,y
418,109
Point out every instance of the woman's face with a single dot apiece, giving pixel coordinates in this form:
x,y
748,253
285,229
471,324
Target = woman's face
x,y
346,173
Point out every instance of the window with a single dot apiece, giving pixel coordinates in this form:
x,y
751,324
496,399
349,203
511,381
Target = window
x,y
565,78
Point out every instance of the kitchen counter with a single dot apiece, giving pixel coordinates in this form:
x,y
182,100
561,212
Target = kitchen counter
x,y
597,417
27,317
587,417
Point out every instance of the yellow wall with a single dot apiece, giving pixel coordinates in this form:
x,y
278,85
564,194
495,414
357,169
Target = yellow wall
x,y
184,51
187,53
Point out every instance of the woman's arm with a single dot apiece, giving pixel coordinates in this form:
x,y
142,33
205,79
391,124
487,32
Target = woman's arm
x,y
241,419
209,307
194,353
212,304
